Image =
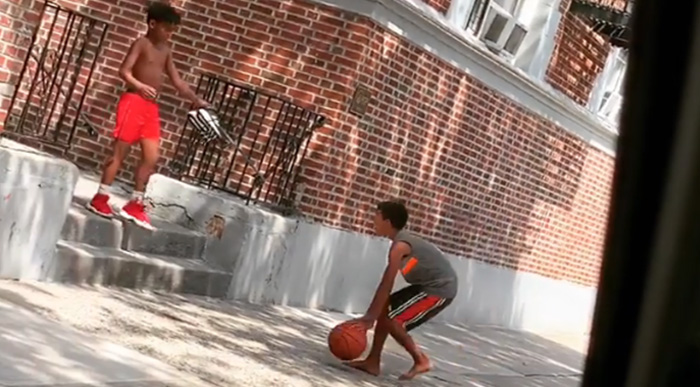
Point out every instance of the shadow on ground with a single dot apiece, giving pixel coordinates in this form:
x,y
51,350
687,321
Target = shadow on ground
x,y
235,344
38,352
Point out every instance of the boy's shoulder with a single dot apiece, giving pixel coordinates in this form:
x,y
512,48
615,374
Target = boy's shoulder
x,y
141,40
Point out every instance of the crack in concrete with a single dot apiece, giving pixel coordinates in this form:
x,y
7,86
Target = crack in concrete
x,y
190,219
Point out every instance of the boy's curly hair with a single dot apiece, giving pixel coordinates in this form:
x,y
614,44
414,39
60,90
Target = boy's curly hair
x,y
161,12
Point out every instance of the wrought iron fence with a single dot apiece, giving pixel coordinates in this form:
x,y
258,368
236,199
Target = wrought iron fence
x,y
47,103
609,18
265,139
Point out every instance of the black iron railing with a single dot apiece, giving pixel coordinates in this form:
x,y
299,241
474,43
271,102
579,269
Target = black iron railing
x,y
267,140
50,92
610,18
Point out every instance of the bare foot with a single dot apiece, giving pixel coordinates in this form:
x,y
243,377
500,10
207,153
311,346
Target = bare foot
x,y
370,367
419,367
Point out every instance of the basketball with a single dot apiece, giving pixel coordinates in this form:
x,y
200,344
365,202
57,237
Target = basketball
x,y
347,341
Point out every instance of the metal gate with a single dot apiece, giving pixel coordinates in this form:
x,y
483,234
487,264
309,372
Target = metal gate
x,y
47,104
268,138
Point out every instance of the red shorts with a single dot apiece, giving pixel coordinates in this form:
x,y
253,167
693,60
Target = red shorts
x,y
137,118
412,307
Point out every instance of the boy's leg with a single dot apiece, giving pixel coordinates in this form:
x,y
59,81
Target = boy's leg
x,y
149,159
135,210
126,132
386,326
100,202
410,314
372,364
114,162
408,308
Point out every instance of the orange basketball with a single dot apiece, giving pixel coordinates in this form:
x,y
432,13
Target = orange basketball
x,y
347,341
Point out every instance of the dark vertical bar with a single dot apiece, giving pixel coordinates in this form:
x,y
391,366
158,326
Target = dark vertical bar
x,y
89,79
191,153
238,141
25,64
282,114
289,148
64,73
306,125
74,80
63,43
207,160
318,122
219,152
202,157
227,87
255,141
212,90
644,325
184,127
297,111
23,114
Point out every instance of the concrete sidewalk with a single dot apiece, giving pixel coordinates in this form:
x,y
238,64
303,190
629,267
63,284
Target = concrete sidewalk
x,y
37,352
224,343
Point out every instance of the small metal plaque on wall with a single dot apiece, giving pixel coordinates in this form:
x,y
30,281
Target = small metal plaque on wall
x,y
360,101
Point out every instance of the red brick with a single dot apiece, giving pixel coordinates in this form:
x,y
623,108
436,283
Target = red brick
x,y
440,5
578,58
484,178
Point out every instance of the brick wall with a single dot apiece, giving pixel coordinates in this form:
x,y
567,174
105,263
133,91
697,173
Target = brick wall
x,y
440,5
484,177
579,56
17,19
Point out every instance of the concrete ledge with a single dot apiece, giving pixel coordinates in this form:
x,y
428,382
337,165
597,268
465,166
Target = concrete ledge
x,y
288,261
35,195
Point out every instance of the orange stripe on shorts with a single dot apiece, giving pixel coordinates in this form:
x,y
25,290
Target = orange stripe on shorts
x,y
409,266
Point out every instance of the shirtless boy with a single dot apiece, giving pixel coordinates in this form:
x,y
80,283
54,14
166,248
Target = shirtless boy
x,y
432,287
138,120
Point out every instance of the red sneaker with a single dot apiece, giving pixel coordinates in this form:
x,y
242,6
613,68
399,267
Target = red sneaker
x,y
100,206
136,212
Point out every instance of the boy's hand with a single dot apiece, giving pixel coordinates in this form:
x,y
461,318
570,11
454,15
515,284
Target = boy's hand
x,y
364,322
148,91
201,104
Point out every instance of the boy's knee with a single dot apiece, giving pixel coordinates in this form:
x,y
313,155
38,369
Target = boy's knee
x,y
150,161
112,159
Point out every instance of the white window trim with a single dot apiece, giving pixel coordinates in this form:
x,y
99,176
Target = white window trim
x,y
458,16
610,80
425,27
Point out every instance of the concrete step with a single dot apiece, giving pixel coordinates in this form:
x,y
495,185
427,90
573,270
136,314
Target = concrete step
x,y
83,226
81,263
168,239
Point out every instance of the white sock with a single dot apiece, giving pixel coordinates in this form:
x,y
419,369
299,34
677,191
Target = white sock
x,y
104,189
137,196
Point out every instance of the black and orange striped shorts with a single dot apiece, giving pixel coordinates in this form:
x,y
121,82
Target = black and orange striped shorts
x,y
412,306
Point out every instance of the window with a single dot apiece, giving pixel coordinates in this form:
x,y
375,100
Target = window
x,y
522,31
606,97
509,5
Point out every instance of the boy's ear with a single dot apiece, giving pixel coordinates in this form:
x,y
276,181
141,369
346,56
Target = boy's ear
x,y
152,24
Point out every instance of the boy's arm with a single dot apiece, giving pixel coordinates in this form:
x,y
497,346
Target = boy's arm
x,y
398,251
126,71
181,85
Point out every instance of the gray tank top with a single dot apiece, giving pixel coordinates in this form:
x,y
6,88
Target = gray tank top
x,y
428,267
